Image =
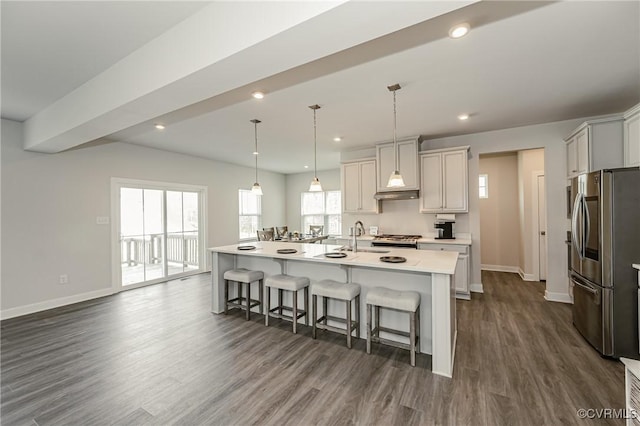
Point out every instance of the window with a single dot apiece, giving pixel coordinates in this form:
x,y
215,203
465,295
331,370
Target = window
x,y
483,186
322,208
250,210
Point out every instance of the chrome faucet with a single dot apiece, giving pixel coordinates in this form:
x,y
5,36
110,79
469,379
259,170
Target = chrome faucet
x,y
357,232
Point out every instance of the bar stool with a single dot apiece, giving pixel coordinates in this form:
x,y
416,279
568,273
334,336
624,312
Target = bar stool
x,y
292,284
329,289
403,301
242,276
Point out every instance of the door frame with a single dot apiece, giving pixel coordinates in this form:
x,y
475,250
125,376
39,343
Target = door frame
x,y
116,255
536,221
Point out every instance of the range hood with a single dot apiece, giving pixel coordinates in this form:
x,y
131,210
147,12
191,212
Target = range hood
x,y
397,195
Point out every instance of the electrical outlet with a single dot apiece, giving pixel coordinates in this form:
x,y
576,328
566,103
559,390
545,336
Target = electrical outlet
x,y
64,279
102,220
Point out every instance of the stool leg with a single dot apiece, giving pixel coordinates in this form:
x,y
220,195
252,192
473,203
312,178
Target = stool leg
x,y
377,322
418,330
348,303
248,301
226,296
358,316
412,337
368,328
261,292
305,305
280,301
314,309
324,309
239,287
267,307
295,312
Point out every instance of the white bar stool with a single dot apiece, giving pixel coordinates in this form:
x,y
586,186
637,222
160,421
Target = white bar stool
x,y
403,301
242,276
329,289
292,284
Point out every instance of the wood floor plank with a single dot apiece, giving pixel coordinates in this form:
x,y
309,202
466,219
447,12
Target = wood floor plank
x,y
157,356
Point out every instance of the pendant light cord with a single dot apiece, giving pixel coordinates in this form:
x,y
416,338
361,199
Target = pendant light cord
x,y
256,150
395,141
315,147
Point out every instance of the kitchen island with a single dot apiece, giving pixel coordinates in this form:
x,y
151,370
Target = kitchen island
x,y
430,273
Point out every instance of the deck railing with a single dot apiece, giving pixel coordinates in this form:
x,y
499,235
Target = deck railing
x,y
148,249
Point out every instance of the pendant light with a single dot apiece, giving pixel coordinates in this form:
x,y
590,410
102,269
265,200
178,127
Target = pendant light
x,y
315,183
256,188
395,180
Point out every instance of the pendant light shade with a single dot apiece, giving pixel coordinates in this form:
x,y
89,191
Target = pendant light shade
x,y
395,180
256,188
315,183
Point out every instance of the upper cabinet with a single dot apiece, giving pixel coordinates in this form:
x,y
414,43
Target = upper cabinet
x,y
407,162
632,137
359,187
444,181
595,145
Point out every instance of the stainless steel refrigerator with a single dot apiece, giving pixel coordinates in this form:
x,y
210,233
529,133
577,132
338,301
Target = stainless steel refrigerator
x,y
605,233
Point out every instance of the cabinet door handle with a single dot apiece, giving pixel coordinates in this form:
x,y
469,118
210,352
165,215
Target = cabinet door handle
x,y
573,171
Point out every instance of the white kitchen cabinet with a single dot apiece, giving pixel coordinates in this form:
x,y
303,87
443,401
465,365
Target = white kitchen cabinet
x,y
632,137
595,145
407,163
359,187
444,186
462,267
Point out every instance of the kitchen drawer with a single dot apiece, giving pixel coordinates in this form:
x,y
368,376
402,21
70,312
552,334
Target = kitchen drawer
x,y
444,247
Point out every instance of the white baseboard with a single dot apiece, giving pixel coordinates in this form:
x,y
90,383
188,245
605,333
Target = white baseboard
x,y
55,303
526,277
476,288
463,296
558,297
500,268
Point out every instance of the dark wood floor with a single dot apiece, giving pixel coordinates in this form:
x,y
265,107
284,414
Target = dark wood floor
x,y
157,356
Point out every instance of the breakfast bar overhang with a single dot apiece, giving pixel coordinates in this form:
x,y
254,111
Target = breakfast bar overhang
x,y
430,273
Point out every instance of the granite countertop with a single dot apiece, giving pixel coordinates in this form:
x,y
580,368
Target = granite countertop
x,y
437,262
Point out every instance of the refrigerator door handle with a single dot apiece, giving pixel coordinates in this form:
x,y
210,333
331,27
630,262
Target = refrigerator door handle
x,y
574,226
587,222
587,288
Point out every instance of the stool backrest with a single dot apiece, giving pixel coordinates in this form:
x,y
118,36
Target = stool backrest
x,y
266,235
316,230
281,231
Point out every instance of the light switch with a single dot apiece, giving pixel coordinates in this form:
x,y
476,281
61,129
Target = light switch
x,y
102,220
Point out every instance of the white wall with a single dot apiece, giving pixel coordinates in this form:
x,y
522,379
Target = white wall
x,y
50,203
499,224
529,162
297,183
550,137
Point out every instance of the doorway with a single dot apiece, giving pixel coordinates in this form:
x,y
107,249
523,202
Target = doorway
x,y
157,232
512,205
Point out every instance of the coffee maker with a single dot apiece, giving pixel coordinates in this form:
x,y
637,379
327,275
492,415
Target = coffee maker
x,y
444,225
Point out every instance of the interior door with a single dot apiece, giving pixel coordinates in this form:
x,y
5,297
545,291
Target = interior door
x,y
542,229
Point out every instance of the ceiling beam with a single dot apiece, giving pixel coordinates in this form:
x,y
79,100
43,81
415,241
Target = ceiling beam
x,y
209,54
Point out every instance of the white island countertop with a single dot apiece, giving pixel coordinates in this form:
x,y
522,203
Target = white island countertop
x,y
436,262
462,240
636,265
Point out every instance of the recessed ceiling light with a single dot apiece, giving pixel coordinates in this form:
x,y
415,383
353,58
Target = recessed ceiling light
x,y
306,167
458,31
159,126
255,153
337,139
463,117
258,95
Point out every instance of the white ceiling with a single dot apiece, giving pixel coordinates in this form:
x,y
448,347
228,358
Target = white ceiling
x,y
521,64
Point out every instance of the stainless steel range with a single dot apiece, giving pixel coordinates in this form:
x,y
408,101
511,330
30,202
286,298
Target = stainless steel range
x,y
389,240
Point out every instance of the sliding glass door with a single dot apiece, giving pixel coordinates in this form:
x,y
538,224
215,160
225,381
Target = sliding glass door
x,y
159,232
